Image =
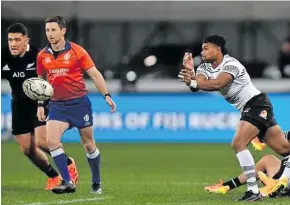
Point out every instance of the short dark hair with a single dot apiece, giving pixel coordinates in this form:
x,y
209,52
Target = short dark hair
x,y
56,19
18,28
217,40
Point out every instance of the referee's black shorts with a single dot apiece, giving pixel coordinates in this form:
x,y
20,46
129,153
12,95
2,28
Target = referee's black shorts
x,y
259,112
24,116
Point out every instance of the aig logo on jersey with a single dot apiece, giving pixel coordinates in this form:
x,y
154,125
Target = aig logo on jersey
x,y
18,75
263,114
87,118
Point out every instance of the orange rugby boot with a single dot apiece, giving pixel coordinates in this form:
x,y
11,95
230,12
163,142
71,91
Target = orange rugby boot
x,y
52,182
258,145
217,188
73,172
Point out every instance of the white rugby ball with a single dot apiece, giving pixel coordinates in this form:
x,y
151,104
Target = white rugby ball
x,y
37,89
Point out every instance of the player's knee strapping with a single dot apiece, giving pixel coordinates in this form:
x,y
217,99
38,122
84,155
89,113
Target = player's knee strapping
x,y
47,169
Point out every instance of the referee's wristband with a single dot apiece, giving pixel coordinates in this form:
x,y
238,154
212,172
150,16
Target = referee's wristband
x,y
193,84
40,103
107,94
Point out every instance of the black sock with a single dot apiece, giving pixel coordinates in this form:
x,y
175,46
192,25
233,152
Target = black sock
x,y
233,183
69,161
51,172
46,150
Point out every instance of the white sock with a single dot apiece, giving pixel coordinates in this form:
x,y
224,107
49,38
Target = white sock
x,y
286,172
248,165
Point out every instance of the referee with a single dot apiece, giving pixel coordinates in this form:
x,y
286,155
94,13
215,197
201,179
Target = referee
x,y
18,64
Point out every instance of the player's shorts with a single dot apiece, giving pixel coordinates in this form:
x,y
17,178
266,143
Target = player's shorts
x,y
24,116
259,112
77,112
281,170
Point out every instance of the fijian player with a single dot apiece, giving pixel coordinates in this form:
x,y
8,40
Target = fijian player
x,y
224,73
267,168
18,64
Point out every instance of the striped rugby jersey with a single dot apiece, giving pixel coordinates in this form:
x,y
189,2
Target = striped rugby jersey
x,y
240,90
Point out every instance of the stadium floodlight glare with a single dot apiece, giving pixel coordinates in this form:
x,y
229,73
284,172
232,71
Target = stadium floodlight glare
x,y
131,76
150,61
287,70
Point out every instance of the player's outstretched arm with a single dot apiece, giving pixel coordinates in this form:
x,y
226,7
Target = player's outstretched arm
x,y
221,81
100,84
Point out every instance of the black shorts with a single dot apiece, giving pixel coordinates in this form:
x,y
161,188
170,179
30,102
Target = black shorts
x,y
24,116
259,112
281,170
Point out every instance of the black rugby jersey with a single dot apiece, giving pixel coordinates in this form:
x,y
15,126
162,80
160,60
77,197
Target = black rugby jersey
x,y
17,69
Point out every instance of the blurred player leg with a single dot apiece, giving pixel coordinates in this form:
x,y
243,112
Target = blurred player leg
x,y
279,142
37,157
268,164
244,134
272,167
41,143
93,156
55,130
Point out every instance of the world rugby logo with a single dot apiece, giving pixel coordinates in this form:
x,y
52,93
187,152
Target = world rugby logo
x,y
86,118
66,56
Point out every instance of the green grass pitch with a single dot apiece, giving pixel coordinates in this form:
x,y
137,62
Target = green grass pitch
x,y
148,174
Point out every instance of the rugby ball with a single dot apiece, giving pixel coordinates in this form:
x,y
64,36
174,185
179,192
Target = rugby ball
x,y
37,89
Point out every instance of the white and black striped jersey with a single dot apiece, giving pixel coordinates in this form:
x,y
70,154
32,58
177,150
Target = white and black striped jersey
x,y
240,90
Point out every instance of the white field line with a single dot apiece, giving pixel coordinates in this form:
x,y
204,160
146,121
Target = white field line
x,y
164,203
68,201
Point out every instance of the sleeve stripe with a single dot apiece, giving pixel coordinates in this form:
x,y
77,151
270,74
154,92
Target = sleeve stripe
x,y
232,70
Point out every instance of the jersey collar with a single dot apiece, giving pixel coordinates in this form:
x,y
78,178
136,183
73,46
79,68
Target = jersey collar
x,y
67,47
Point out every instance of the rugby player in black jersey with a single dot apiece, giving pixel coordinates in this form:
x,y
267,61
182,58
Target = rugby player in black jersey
x,y
18,64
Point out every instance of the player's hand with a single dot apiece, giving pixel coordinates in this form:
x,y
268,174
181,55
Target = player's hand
x,y
186,76
111,103
188,62
40,114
